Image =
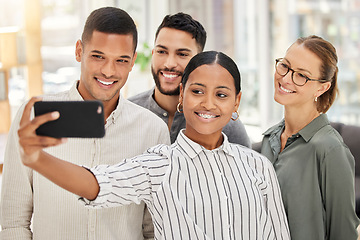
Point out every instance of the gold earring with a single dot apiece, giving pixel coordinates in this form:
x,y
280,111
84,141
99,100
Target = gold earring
x,y
237,116
178,108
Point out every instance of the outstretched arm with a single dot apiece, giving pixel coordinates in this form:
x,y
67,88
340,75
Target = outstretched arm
x,y
69,176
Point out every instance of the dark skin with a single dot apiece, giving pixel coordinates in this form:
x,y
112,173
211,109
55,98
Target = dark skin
x,y
211,98
48,165
106,61
172,52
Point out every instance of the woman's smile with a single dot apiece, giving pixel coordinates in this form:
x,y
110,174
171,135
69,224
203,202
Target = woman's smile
x,y
207,115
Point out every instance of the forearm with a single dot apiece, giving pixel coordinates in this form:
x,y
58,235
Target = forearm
x,y
69,176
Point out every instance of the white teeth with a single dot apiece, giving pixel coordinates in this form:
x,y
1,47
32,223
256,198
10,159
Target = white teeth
x,y
105,83
170,75
206,116
285,90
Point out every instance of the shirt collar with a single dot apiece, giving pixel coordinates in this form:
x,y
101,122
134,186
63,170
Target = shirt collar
x,y
74,93
314,126
274,129
307,132
153,106
117,111
193,149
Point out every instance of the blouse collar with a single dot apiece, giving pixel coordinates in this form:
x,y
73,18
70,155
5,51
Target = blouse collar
x,y
193,149
307,132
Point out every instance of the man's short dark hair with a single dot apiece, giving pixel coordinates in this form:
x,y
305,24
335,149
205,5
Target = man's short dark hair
x,y
184,22
110,20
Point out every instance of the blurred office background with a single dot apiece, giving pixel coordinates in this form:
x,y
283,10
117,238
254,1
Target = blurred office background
x,y
37,44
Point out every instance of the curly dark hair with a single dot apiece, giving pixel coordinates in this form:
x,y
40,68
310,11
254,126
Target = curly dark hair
x,y
184,22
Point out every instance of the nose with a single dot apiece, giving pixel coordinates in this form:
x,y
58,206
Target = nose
x,y
208,102
108,69
288,77
170,62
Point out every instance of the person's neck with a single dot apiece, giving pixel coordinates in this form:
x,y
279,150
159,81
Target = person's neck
x,y
295,119
166,102
209,142
109,106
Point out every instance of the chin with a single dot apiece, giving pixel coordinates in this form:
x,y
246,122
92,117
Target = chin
x,y
208,131
278,99
170,92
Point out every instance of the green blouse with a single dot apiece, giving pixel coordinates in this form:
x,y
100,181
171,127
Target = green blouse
x,y
316,176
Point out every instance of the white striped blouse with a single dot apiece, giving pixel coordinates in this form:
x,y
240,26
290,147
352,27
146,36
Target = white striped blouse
x,y
193,193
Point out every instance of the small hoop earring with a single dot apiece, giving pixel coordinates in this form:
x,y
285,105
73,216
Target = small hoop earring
x,y
178,108
237,116
316,99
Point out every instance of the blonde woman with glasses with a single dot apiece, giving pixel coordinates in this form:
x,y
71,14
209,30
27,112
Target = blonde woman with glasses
x,y
315,168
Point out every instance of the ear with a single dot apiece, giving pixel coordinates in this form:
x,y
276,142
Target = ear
x,y
78,50
133,60
323,88
152,52
237,101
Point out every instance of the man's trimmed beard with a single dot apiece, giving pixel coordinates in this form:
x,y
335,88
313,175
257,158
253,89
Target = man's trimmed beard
x,y
174,92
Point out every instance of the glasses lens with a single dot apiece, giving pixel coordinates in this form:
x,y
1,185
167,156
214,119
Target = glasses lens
x,y
281,68
299,78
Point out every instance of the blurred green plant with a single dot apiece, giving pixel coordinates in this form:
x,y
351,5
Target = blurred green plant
x,y
144,57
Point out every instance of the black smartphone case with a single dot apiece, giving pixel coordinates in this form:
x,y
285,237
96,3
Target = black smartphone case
x,y
81,119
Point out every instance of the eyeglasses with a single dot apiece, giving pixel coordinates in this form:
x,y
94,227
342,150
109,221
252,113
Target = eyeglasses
x,y
298,78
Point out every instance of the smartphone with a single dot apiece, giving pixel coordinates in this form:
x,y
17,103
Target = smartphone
x,y
81,119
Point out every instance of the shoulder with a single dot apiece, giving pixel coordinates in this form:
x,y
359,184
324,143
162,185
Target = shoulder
x,y
330,148
161,150
142,116
61,96
254,163
249,155
236,133
335,161
137,110
141,98
327,138
235,125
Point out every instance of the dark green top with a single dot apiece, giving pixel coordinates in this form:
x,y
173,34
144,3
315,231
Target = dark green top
x,y
316,177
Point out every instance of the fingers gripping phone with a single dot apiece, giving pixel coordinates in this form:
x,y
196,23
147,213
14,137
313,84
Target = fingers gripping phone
x,y
82,119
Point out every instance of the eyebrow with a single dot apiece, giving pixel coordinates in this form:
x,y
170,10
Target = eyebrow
x,y
178,50
202,85
99,52
299,69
